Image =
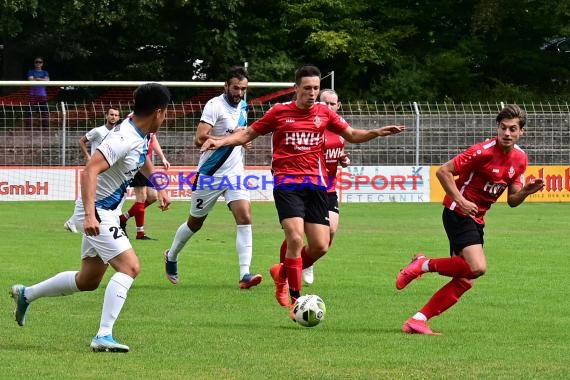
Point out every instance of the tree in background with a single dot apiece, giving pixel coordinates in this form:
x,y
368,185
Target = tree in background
x,y
445,50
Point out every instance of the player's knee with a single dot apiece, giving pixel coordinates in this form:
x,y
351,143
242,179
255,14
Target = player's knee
x,y
135,269
478,270
195,224
295,242
131,269
244,219
318,250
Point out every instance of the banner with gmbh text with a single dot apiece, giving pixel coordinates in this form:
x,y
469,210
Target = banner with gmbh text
x,y
31,183
556,179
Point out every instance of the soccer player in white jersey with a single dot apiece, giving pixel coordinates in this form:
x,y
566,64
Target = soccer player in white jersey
x,y
104,180
95,136
219,173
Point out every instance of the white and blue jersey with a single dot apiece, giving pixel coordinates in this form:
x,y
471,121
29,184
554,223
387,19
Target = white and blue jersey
x,y
124,148
95,136
225,119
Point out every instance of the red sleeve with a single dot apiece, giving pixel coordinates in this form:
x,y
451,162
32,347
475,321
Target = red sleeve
x,y
336,124
267,123
469,159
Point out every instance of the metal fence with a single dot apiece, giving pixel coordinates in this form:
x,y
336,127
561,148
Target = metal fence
x,y
32,136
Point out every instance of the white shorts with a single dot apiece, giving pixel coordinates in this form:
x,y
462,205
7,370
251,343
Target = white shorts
x,y
79,208
111,240
209,189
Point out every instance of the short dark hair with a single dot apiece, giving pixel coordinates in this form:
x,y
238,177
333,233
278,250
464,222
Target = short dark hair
x,y
237,72
306,71
512,111
149,97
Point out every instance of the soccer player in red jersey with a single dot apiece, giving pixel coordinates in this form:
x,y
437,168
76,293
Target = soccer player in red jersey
x,y
298,167
484,171
333,149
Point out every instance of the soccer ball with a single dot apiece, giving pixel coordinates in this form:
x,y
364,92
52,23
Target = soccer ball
x,y
309,310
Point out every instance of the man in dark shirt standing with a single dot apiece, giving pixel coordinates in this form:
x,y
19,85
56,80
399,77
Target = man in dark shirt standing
x,y
38,94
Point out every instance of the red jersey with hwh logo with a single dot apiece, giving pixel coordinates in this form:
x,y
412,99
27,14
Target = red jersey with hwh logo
x,y
485,171
333,149
298,138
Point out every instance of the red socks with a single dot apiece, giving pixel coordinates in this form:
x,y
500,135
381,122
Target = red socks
x,y
454,266
293,269
445,297
282,251
139,214
307,260
137,211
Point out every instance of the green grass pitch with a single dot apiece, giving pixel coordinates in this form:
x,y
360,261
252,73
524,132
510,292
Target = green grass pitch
x,y
513,324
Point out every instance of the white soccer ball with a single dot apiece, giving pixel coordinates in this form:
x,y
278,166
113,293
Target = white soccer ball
x,y
309,310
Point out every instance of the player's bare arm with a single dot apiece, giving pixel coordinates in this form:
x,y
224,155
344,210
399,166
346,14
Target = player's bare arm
x,y
517,194
357,136
163,199
160,153
445,175
83,146
248,145
239,137
203,134
97,164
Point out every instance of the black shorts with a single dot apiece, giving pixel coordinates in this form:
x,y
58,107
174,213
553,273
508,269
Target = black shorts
x,y
139,180
462,231
309,203
333,202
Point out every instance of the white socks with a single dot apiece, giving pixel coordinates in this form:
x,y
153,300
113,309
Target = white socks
x,y
244,248
420,317
115,297
183,234
244,245
62,284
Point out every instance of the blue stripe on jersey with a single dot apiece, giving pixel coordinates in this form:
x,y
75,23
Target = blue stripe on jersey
x,y
136,128
146,139
242,122
111,202
142,157
213,163
217,159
